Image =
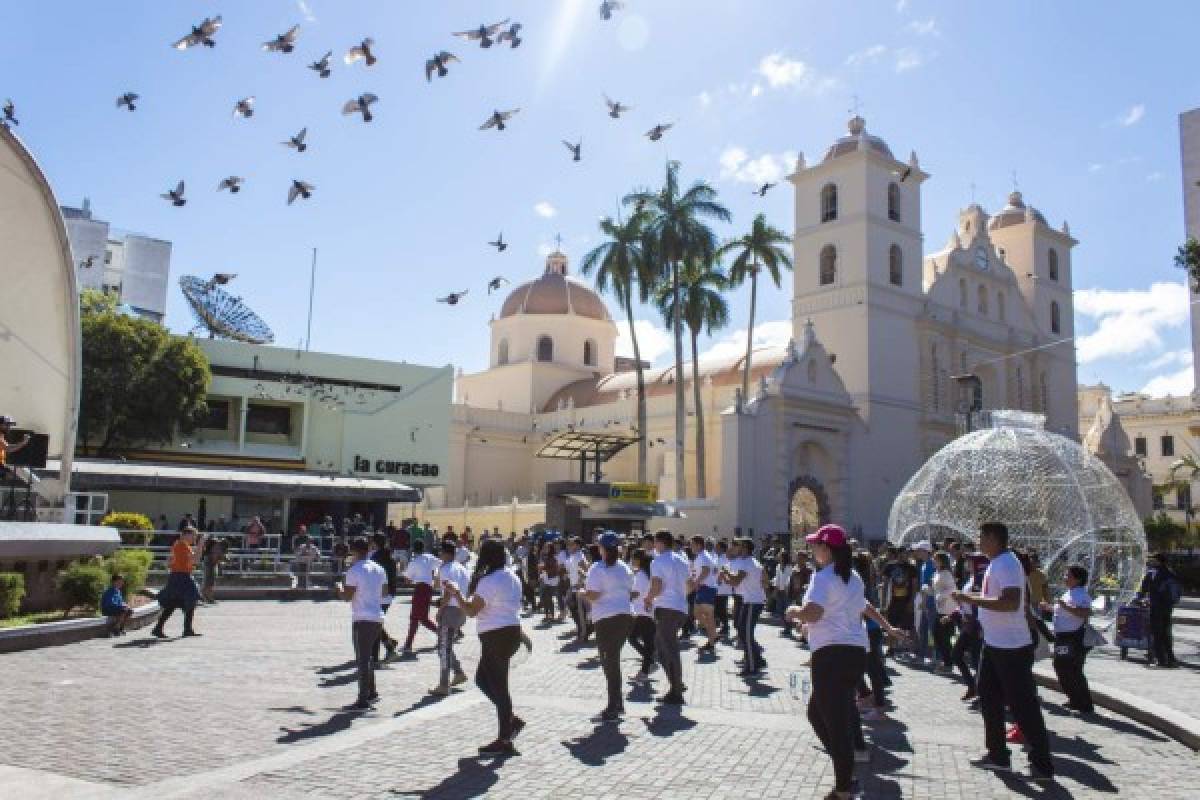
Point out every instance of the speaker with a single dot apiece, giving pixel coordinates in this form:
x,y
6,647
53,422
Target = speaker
x,y
32,454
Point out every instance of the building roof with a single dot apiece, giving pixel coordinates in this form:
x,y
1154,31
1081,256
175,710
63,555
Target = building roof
x,y
858,139
1015,213
555,292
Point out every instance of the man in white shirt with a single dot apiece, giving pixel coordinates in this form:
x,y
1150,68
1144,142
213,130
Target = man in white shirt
x,y
724,589
463,554
704,584
1006,666
365,586
450,618
576,565
668,597
420,573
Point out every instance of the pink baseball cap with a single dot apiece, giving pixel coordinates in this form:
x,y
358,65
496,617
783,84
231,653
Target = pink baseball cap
x,y
831,535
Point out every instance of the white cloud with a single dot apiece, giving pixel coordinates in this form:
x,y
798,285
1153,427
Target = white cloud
x,y
653,341
1129,321
1154,176
1179,383
866,55
780,70
1095,167
1171,358
705,99
737,165
775,333
756,90
1133,116
927,27
544,209
901,6
306,11
908,58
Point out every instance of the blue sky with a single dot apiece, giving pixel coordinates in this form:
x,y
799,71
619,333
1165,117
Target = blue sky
x,y
1080,99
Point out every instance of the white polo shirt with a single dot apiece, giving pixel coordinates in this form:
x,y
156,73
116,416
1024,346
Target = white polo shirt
x,y
614,584
368,580
1006,630
422,569
672,570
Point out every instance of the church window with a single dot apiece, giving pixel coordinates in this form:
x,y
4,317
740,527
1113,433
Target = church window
x,y
982,306
829,205
1000,305
962,292
1055,321
589,353
545,348
812,370
1139,446
1167,443
1052,261
502,353
896,265
828,265
893,202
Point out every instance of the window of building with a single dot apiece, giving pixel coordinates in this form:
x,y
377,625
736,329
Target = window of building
x,y
108,256
829,205
269,419
217,416
896,266
1000,305
893,202
962,292
1139,446
1052,261
1055,322
982,305
1158,501
1167,443
828,265
589,353
1183,498
502,352
545,348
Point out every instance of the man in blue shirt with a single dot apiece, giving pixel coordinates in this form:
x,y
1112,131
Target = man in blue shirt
x,y
113,606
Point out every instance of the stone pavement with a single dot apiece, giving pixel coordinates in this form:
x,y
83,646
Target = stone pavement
x,y
253,710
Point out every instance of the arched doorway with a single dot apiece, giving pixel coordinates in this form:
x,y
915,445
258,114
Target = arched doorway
x,y
808,509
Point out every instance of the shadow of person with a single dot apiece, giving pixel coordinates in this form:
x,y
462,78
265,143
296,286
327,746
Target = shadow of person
x,y
149,641
425,701
598,746
336,668
337,723
668,721
591,662
294,710
475,776
339,680
1112,723
640,693
757,687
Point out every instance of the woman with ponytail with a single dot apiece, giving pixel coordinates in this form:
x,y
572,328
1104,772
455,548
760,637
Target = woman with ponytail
x,y
609,588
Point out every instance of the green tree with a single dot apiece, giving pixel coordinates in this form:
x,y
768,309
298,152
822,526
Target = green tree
x,y
704,310
676,230
762,247
620,262
1187,257
140,384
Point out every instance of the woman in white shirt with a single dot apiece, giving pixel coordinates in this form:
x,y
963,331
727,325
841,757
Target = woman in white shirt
x,y
748,579
943,599
495,602
1071,614
641,638
608,588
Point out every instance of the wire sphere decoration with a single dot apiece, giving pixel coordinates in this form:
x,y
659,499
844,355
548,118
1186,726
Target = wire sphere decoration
x,y
221,314
1057,500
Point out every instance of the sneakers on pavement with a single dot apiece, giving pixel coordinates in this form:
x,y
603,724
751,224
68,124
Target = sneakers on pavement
x,y
991,764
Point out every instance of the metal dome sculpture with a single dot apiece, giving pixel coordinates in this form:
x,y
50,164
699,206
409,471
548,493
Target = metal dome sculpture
x,y
222,314
1057,499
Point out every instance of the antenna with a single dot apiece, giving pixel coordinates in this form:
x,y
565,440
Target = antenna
x,y
312,283
855,105
222,314
1016,186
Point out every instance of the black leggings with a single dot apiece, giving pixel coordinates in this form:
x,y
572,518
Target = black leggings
x,y
641,638
611,633
497,648
167,611
722,613
831,709
943,629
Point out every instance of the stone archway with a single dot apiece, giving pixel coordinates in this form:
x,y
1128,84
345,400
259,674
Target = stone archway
x,y
808,508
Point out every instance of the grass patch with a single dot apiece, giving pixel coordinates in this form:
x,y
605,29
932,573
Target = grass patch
x,y
44,616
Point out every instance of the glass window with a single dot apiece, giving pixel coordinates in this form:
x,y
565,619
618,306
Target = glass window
x,y
545,348
502,352
983,300
1183,498
1139,446
893,202
828,265
962,292
1052,261
1168,445
1055,321
269,419
589,353
896,265
829,203
217,417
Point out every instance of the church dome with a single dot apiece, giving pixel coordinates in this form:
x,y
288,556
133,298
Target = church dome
x,y
555,292
858,139
1015,213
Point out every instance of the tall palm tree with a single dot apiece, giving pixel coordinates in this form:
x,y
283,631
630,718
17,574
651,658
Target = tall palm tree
x,y
676,229
621,262
762,247
704,310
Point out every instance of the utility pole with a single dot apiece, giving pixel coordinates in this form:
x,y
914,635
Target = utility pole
x,y
312,283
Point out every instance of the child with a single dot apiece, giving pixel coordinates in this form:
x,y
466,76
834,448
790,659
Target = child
x,y
113,606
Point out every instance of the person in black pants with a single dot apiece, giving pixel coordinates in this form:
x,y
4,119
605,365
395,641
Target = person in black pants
x,y
1159,588
667,596
1071,614
641,638
383,557
608,589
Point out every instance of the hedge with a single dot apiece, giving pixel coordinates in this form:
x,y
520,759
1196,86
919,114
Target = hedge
x,y
133,565
82,584
12,592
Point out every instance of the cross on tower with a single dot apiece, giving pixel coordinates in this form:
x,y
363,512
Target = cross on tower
x,y
855,105
558,241
1016,186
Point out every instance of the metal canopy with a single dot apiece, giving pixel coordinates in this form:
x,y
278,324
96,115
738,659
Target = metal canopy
x,y
589,445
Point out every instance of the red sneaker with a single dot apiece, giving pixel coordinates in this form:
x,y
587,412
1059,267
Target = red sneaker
x,y
1014,735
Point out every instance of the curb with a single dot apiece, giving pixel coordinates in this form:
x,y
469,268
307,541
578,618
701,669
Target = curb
x,y
1181,727
51,634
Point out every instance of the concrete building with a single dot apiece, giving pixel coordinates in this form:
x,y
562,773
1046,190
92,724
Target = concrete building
x,y
131,266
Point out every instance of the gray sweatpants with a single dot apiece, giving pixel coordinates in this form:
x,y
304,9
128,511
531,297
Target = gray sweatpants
x,y
366,637
450,621
667,623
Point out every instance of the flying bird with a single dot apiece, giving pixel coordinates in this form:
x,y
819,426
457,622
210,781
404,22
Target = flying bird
x,y
576,149
10,114
495,283
244,108
438,64
221,279
297,142
656,133
903,174
453,298
201,34
362,52
361,104
484,33
762,190
233,183
615,109
176,196
129,100
499,244
300,189
497,119
608,7
88,262
511,36
322,67
284,42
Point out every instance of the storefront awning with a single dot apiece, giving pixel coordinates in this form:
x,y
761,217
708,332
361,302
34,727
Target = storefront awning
x,y
103,476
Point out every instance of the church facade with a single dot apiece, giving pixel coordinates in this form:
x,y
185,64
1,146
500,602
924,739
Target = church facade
x,y
839,418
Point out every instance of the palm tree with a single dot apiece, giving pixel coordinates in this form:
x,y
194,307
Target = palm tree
x,y
1191,466
761,247
675,231
621,262
704,310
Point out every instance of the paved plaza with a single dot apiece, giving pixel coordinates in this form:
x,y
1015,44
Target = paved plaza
x,y
253,709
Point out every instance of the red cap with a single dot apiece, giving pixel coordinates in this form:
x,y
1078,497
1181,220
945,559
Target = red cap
x,y
831,535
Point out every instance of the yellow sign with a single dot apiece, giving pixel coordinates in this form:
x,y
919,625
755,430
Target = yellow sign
x,y
634,492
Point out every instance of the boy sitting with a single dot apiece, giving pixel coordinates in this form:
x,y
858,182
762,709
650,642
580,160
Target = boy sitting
x,y
114,607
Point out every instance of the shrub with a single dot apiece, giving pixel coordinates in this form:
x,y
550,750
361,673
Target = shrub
x,y
127,521
12,592
133,565
82,583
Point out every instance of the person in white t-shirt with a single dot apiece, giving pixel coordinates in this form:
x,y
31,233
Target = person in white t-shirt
x,y
608,588
704,584
1006,666
564,583
1071,614
641,638
462,554
421,573
724,590
668,597
748,579
576,565
365,585
450,619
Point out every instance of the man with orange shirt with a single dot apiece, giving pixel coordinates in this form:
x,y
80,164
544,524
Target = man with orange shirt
x,y
181,590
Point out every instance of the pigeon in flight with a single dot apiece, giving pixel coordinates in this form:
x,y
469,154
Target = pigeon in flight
x,y
453,298
656,133
233,183
221,279
362,52
615,109
510,35
361,104
608,7
322,67
176,196
484,34
576,149
129,100
10,114
497,119
438,64
244,108
88,262
284,42
499,244
762,190
201,34
297,142
495,283
903,174
300,189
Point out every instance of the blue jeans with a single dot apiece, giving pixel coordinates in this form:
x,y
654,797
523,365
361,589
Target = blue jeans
x,y
928,620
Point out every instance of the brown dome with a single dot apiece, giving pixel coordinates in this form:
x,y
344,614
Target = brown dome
x,y
555,292
858,139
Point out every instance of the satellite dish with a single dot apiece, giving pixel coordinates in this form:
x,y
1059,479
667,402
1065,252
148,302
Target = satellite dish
x,y
221,314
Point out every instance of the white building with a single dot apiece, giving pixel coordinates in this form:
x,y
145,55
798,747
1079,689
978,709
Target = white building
x,y
842,417
133,267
